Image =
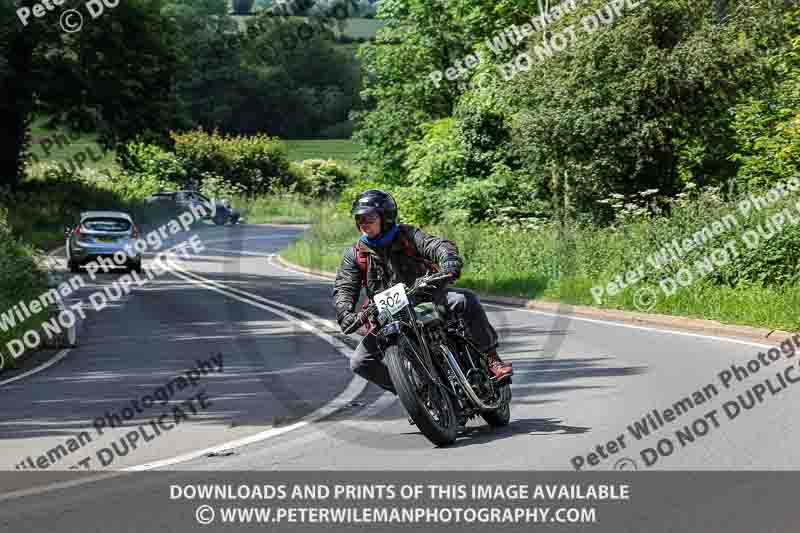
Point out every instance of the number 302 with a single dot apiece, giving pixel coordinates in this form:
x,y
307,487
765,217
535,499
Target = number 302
x,y
391,300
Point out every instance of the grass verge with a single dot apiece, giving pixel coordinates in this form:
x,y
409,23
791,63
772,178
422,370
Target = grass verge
x,y
564,265
282,209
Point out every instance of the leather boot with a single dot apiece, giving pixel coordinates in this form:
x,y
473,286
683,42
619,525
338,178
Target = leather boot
x,y
497,367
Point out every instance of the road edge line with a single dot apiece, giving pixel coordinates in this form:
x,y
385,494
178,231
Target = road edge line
x,y
625,319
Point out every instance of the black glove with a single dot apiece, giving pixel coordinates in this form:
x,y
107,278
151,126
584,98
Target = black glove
x,y
453,268
350,318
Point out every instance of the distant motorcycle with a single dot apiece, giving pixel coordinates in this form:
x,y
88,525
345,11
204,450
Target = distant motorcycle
x,y
439,374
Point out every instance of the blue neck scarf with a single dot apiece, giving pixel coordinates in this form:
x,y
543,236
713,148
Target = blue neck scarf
x,y
382,241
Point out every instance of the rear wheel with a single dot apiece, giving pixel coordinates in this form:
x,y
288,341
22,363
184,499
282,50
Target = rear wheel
x,y
502,415
428,404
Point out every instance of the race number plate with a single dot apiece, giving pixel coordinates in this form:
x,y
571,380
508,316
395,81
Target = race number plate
x,y
392,299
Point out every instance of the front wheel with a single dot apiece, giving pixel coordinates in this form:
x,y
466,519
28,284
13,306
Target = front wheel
x,y
428,404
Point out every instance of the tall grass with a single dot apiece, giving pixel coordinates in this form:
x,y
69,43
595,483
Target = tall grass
x,y
283,208
21,278
564,263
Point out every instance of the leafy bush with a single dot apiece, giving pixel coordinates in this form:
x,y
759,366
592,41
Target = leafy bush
x,y
483,132
218,187
502,196
21,278
257,163
437,159
146,162
768,125
21,275
324,178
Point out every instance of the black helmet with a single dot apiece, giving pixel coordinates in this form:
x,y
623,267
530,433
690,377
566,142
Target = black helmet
x,y
376,201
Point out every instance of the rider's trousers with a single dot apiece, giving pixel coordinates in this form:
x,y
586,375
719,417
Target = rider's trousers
x,y
367,359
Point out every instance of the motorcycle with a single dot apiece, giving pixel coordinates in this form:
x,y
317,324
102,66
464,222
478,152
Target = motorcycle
x,y
439,374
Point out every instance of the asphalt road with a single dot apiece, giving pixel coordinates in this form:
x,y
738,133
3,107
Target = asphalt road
x,y
285,398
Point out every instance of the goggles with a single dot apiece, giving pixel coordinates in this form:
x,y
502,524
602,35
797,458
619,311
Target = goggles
x,y
367,219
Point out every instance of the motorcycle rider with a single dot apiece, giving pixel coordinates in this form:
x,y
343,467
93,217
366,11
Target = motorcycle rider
x,y
400,253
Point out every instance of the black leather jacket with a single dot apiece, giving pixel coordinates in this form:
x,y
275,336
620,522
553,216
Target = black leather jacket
x,y
388,266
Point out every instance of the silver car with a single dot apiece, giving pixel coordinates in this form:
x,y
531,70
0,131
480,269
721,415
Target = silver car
x,y
101,234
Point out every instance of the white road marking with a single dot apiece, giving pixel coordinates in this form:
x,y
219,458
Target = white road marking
x,y
353,390
241,252
631,326
44,366
271,262
328,323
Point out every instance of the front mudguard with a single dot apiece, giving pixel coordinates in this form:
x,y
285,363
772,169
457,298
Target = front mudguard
x,y
387,335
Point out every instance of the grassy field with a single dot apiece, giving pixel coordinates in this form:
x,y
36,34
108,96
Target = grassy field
x,y
364,28
338,149
353,27
65,148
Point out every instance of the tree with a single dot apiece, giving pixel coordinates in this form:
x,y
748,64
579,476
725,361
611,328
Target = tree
x,y
114,76
272,74
644,104
20,49
420,36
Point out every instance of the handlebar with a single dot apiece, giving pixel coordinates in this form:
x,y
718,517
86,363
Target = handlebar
x,y
420,283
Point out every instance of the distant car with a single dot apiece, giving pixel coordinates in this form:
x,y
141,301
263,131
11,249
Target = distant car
x,y
184,200
100,234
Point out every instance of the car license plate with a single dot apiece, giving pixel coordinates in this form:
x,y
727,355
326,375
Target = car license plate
x,y
105,239
392,299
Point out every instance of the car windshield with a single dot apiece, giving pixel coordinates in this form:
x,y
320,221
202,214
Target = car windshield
x,y
106,224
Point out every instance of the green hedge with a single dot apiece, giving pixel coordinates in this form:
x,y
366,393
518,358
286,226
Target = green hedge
x,y
20,279
257,163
